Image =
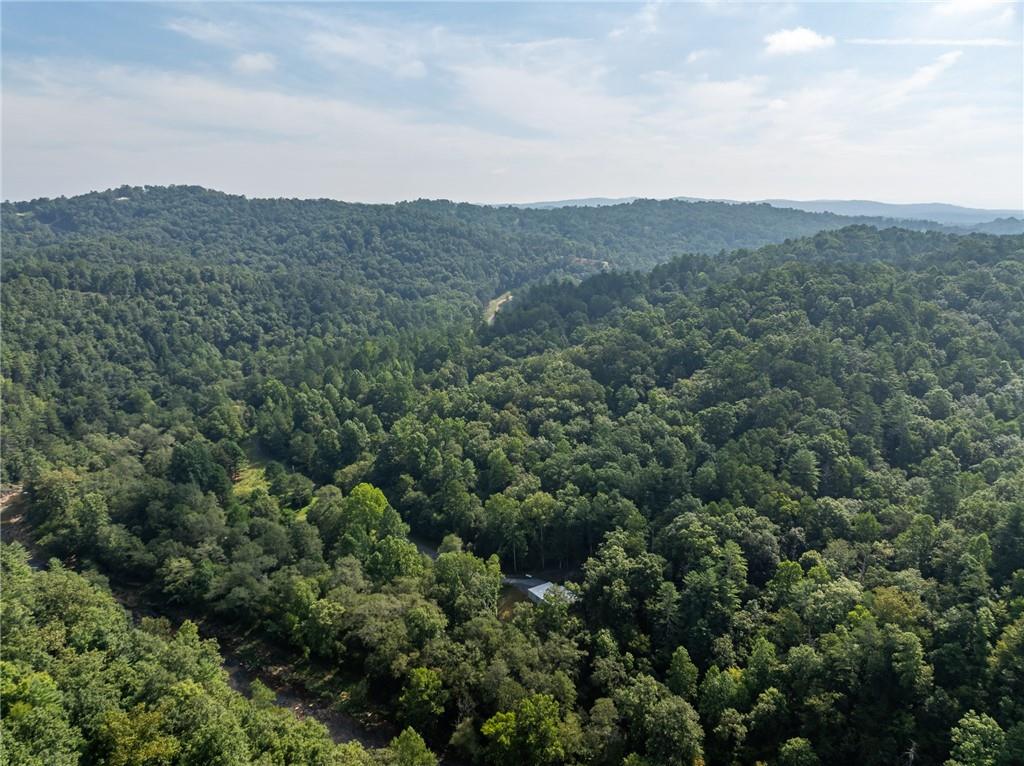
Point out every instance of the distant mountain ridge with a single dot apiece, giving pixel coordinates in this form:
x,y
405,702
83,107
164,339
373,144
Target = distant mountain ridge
x,y
1010,221
939,212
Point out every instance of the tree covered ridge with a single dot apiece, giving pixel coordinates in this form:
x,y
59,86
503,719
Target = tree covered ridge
x,y
82,685
118,299
790,479
411,250
192,214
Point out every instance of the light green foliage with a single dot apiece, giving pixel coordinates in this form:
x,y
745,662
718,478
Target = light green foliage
x,y
35,728
422,701
797,752
530,733
394,557
136,738
977,741
682,674
409,749
466,586
80,684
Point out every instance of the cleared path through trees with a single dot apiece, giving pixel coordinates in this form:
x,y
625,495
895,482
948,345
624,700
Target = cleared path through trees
x,y
494,306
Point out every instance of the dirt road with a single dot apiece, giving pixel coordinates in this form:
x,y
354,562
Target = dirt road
x,y
494,306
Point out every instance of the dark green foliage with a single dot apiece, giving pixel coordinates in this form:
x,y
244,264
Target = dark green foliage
x,y
788,483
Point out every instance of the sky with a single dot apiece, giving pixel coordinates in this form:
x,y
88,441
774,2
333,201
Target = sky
x,y
508,102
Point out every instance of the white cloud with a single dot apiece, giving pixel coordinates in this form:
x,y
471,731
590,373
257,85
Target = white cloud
x,y
156,127
254,63
512,118
695,56
981,16
371,46
929,73
643,22
729,138
204,31
1005,17
946,42
549,102
796,40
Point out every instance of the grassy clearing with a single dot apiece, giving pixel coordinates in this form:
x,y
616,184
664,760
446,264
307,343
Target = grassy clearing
x,y
301,513
250,479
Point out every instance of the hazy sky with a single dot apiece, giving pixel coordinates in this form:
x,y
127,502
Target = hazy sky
x,y
505,102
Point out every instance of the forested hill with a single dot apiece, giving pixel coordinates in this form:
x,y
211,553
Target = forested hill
x,y
413,249
556,309
785,484
117,299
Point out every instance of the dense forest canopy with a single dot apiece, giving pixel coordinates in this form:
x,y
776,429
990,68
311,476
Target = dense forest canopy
x,y
80,684
784,484
118,298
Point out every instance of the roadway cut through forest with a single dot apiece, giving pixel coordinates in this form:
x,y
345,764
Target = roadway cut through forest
x,y
494,306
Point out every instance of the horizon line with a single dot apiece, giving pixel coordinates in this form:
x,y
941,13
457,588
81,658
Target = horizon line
x,y
565,201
